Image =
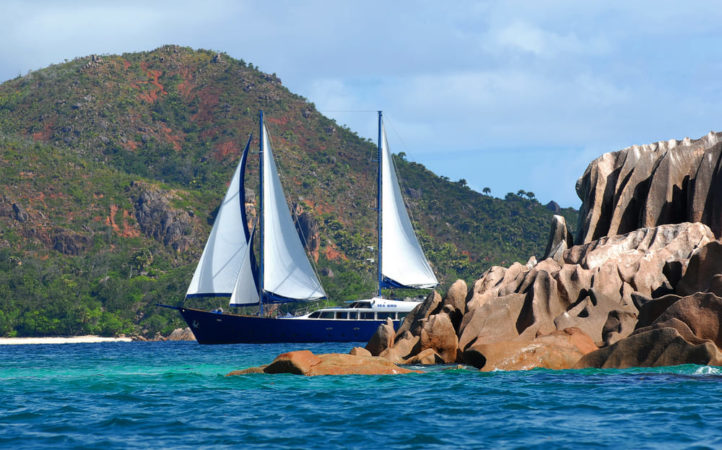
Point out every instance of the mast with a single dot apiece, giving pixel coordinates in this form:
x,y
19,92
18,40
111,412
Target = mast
x,y
262,137
379,203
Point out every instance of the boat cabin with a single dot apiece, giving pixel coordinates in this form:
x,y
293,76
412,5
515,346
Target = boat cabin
x,y
372,309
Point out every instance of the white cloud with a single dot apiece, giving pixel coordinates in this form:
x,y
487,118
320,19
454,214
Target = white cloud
x,y
514,83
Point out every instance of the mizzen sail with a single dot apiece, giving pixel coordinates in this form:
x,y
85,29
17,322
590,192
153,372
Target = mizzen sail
x,y
403,263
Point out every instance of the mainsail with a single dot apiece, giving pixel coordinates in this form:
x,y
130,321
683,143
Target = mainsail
x,y
227,244
402,260
287,272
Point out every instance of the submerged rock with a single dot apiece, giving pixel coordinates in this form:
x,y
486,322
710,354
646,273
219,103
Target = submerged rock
x,y
304,362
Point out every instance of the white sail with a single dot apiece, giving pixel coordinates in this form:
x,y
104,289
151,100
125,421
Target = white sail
x,y
287,273
220,262
402,259
245,291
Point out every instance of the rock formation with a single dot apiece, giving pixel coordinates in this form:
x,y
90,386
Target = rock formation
x,y
559,239
304,362
551,313
687,332
643,283
159,220
646,186
181,334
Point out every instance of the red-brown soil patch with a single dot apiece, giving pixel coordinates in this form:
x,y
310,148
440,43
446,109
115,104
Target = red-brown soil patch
x,y
44,134
169,137
283,120
333,254
224,149
130,226
152,95
186,86
208,99
129,145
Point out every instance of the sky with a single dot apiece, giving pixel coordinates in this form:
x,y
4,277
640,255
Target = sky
x,y
508,95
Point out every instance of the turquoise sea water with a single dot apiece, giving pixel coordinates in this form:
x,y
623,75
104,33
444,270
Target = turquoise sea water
x,y
168,394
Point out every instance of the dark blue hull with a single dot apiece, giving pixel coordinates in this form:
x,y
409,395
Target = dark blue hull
x,y
216,328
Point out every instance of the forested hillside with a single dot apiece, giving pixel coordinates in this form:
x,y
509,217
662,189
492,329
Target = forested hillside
x,y
113,167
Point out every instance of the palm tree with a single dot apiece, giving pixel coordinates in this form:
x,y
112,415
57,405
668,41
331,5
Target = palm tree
x,y
486,191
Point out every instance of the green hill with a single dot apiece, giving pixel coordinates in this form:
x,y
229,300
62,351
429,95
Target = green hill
x,y
113,167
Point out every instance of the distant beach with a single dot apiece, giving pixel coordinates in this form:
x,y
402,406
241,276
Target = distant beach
x,y
62,340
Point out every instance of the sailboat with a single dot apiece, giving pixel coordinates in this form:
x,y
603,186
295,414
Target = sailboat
x,y
284,273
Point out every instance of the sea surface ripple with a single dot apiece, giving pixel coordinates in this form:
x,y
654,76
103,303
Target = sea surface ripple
x,y
176,394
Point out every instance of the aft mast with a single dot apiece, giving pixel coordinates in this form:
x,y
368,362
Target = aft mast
x,y
261,139
379,205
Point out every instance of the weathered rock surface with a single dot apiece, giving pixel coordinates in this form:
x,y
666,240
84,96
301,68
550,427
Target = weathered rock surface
x,y
159,220
520,317
308,229
181,334
558,350
687,332
439,335
560,239
382,339
304,362
69,242
359,351
650,185
704,271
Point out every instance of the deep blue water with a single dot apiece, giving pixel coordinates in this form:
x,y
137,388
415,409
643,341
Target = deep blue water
x,y
167,394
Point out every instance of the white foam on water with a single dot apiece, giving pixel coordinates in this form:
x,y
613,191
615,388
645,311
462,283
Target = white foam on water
x,y
708,370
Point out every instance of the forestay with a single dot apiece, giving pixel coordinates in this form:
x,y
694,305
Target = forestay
x,y
402,259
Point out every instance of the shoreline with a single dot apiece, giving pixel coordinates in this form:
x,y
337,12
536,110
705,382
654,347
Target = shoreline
x,y
62,340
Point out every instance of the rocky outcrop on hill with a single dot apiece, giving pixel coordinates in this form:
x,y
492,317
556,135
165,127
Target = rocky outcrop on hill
x,y
650,185
69,242
308,229
551,313
159,220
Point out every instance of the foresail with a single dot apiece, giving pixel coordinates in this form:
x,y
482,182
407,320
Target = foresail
x,y
403,263
287,272
220,262
245,291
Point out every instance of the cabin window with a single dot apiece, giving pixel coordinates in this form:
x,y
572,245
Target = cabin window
x,y
402,315
384,315
342,315
327,314
353,315
367,316
315,315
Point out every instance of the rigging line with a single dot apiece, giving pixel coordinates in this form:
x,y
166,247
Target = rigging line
x,y
347,111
